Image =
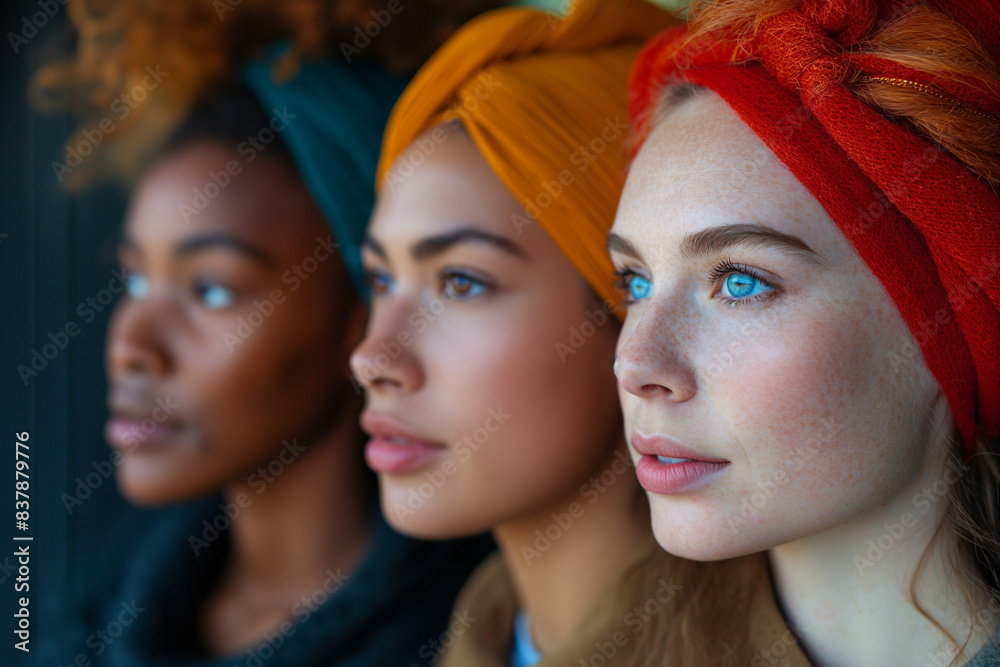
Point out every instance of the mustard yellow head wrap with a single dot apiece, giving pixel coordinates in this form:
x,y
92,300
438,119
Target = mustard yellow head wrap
x,y
544,98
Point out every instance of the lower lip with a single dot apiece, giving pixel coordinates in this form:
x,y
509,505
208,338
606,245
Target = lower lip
x,y
128,435
395,458
671,478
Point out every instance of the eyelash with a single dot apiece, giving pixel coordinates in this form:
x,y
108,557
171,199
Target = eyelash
x,y
727,267
372,276
623,280
450,273
716,275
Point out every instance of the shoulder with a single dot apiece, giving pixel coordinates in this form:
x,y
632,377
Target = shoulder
x,y
484,619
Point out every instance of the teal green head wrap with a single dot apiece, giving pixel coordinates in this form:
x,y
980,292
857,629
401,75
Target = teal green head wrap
x,y
335,114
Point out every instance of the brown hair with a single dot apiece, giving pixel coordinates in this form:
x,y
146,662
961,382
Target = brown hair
x,y
709,620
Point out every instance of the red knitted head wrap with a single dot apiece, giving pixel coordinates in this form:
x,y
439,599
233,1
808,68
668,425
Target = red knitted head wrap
x,y
926,226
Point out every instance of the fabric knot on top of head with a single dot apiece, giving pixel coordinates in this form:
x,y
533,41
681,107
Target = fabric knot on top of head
x,y
800,55
807,49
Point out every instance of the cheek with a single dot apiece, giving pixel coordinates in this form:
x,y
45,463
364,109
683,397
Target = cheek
x,y
809,398
559,415
280,382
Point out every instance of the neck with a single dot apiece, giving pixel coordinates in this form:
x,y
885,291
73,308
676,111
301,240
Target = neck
x,y
563,557
847,591
305,515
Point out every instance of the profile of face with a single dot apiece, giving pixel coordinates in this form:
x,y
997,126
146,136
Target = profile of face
x,y
477,416
232,340
755,367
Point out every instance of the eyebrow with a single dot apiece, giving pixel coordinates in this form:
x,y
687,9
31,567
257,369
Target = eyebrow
x,y
435,245
205,242
623,246
717,239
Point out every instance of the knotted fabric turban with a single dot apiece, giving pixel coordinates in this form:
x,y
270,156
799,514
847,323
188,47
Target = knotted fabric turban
x,y
926,226
544,98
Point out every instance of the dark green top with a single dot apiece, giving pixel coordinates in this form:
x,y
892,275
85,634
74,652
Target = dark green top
x,y
391,611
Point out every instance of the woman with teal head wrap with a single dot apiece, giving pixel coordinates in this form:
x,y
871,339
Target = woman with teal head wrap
x,y
336,117
231,401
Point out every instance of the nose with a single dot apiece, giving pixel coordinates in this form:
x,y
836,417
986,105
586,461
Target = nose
x,y
135,342
385,361
651,362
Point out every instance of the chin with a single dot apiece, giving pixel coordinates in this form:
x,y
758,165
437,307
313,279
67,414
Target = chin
x,y
427,521
151,490
702,537
144,495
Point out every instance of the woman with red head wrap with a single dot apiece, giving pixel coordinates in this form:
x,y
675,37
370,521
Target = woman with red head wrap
x,y
810,242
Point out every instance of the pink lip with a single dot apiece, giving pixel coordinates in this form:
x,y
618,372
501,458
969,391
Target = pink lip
x,y
672,478
394,449
128,434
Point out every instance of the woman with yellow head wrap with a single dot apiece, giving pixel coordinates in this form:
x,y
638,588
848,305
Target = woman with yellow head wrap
x,y
487,361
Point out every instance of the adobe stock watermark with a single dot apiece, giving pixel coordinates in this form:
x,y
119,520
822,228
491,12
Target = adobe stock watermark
x,y
984,620
723,358
58,340
563,522
766,489
120,109
224,7
579,335
556,16
294,278
381,18
605,652
921,505
581,159
778,650
32,25
425,146
272,641
930,327
418,322
248,150
105,468
259,481
99,641
458,625
463,450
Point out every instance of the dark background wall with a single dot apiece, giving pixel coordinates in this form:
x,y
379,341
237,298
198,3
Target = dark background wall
x,y
56,251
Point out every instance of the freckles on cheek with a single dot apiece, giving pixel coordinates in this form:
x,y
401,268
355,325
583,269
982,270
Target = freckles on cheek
x,y
791,380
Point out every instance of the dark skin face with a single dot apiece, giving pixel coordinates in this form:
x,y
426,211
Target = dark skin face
x,y
199,401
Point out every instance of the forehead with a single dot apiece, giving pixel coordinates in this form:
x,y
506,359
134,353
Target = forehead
x,y
437,186
702,166
207,187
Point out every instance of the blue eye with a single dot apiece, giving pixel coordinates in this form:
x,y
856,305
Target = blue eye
x,y
635,286
136,285
743,285
378,282
215,296
639,288
461,286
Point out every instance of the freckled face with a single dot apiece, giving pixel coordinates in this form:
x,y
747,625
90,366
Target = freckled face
x,y
477,417
758,342
229,340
